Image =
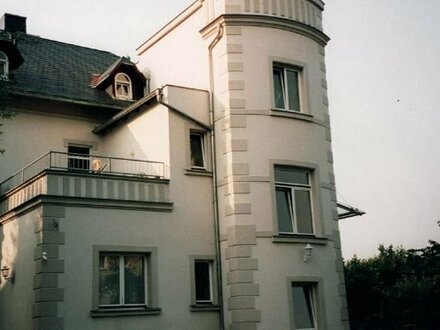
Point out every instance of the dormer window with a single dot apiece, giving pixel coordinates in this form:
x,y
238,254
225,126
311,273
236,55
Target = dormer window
x,y
123,87
4,66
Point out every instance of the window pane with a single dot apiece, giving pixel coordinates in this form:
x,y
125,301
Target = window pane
x,y
284,213
303,211
80,160
134,281
291,175
203,281
2,69
278,86
303,306
109,280
292,85
197,157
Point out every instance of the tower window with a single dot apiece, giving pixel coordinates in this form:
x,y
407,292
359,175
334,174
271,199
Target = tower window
x,y
4,66
286,85
123,87
293,200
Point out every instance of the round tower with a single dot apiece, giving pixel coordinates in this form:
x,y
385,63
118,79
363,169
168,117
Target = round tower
x,y
281,258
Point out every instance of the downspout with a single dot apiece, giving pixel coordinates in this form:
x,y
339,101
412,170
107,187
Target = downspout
x,y
214,42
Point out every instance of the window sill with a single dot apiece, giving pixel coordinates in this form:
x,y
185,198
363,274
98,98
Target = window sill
x,y
204,308
291,114
115,312
197,172
301,239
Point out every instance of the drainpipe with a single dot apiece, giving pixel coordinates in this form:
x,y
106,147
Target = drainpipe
x,y
214,42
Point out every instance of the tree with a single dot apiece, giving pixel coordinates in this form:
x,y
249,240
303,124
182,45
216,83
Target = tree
x,y
397,289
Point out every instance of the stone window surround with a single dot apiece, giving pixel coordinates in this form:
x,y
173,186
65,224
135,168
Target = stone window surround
x,y
315,198
152,297
4,61
303,83
194,307
317,282
189,170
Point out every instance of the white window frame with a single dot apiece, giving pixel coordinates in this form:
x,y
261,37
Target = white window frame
x,y
4,61
284,68
122,279
202,147
212,303
123,83
291,187
80,158
151,306
312,300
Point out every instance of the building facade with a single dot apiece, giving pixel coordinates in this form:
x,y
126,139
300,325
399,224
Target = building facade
x,y
193,190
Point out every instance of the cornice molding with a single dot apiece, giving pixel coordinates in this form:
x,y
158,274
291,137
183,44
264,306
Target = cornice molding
x,y
267,22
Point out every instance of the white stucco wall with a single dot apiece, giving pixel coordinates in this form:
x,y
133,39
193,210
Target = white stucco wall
x,y
18,242
180,58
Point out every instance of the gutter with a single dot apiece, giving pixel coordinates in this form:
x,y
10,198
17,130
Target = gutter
x,y
211,46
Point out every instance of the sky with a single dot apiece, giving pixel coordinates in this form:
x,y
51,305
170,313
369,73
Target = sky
x,y
383,74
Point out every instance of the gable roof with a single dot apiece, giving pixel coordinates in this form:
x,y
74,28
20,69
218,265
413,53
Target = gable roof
x,y
53,69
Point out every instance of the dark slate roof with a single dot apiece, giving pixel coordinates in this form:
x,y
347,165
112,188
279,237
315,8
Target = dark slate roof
x,y
62,71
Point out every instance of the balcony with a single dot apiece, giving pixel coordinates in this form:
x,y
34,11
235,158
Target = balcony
x,y
88,178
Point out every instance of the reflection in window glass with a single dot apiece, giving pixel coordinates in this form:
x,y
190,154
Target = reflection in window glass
x,y
303,306
121,279
197,150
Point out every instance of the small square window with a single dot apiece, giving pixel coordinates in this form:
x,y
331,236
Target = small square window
x,y
293,200
197,146
286,85
304,306
78,157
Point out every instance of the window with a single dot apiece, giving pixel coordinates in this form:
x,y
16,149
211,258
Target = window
x,y
203,284
304,306
197,150
78,157
286,86
4,66
203,281
123,88
293,200
125,281
122,279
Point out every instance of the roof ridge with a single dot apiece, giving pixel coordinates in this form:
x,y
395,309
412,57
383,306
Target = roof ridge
x,y
70,44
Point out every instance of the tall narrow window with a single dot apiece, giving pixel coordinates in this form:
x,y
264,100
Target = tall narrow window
x,y
78,157
286,88
122,279
203,281
4,66
293,200
197,151
123,87
304,306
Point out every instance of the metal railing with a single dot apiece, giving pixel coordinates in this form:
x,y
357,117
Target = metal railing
x,y
81,163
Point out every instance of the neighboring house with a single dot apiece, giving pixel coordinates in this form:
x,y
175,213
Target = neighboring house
x,y
193,190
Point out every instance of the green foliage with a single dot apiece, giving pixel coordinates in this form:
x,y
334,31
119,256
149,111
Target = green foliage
x,y
397,289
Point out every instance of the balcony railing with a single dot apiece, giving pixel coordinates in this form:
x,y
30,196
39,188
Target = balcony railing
x,y
81,163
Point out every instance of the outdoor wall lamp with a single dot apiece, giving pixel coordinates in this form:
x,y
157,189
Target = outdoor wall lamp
x,y
307,252
7,273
